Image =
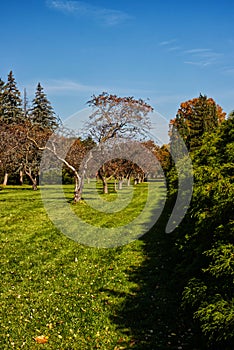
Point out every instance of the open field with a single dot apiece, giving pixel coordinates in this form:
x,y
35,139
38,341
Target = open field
x,y
81,297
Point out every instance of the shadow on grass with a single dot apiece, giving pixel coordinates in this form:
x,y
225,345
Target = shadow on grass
x,y
152,315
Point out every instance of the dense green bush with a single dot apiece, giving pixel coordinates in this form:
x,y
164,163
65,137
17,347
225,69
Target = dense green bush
x,y
205,239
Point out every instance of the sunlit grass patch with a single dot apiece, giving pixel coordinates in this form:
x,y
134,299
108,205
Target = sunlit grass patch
x,y
55,287
72,295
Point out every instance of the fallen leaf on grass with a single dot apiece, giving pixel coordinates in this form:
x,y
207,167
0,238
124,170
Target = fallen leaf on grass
x,y
41,339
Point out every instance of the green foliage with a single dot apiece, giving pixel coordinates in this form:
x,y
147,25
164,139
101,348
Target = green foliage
x,y
42,113
1,96
205,238
194,293
222,260
10,102
194,118
217,318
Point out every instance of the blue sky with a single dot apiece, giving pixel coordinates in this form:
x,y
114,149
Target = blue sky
x,y
168,51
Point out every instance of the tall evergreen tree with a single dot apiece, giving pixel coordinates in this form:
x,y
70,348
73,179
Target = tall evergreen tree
x,y
11,103
1,85
42,113
25,104
1,97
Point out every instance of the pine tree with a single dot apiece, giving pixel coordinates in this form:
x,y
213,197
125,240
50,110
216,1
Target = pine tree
x,y
42,113
1,97
25,104
11,103
1,85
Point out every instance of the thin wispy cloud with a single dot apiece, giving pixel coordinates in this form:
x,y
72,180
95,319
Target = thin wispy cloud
x,y
57,86
198,56
104,16
174,48
202,57
64,6
64,87
167,42
197,51
198,63
60,87
170,45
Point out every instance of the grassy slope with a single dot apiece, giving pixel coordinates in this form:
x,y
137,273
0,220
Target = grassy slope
x,y
80,297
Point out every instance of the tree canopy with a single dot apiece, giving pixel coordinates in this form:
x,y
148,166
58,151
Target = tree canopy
x,y
116,117
194,118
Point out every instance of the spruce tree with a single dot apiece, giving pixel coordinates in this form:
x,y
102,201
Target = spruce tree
x,y
11,103
25,104
1,85
42,113
1,97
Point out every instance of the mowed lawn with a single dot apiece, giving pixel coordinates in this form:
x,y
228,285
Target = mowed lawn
x,y
75,296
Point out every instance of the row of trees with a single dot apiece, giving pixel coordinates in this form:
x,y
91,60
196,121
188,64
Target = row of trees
x,y
28,132
113,123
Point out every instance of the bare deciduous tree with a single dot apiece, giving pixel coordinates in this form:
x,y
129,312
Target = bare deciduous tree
x,y
116,118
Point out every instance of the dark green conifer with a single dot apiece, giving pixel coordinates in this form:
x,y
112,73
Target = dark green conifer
x,y
42,113
1,96
11,103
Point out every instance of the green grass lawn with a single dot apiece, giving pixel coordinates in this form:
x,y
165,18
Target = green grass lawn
x,y
105,220
81,297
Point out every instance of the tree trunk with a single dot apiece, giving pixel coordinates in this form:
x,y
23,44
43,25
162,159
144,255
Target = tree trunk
x,y
140,178
78,189
120,184
105,186
77,195
21,177
104,182
34,184
115,186
33,179
5,179
128,181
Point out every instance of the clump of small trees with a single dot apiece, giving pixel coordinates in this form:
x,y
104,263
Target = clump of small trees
x,y
17,120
